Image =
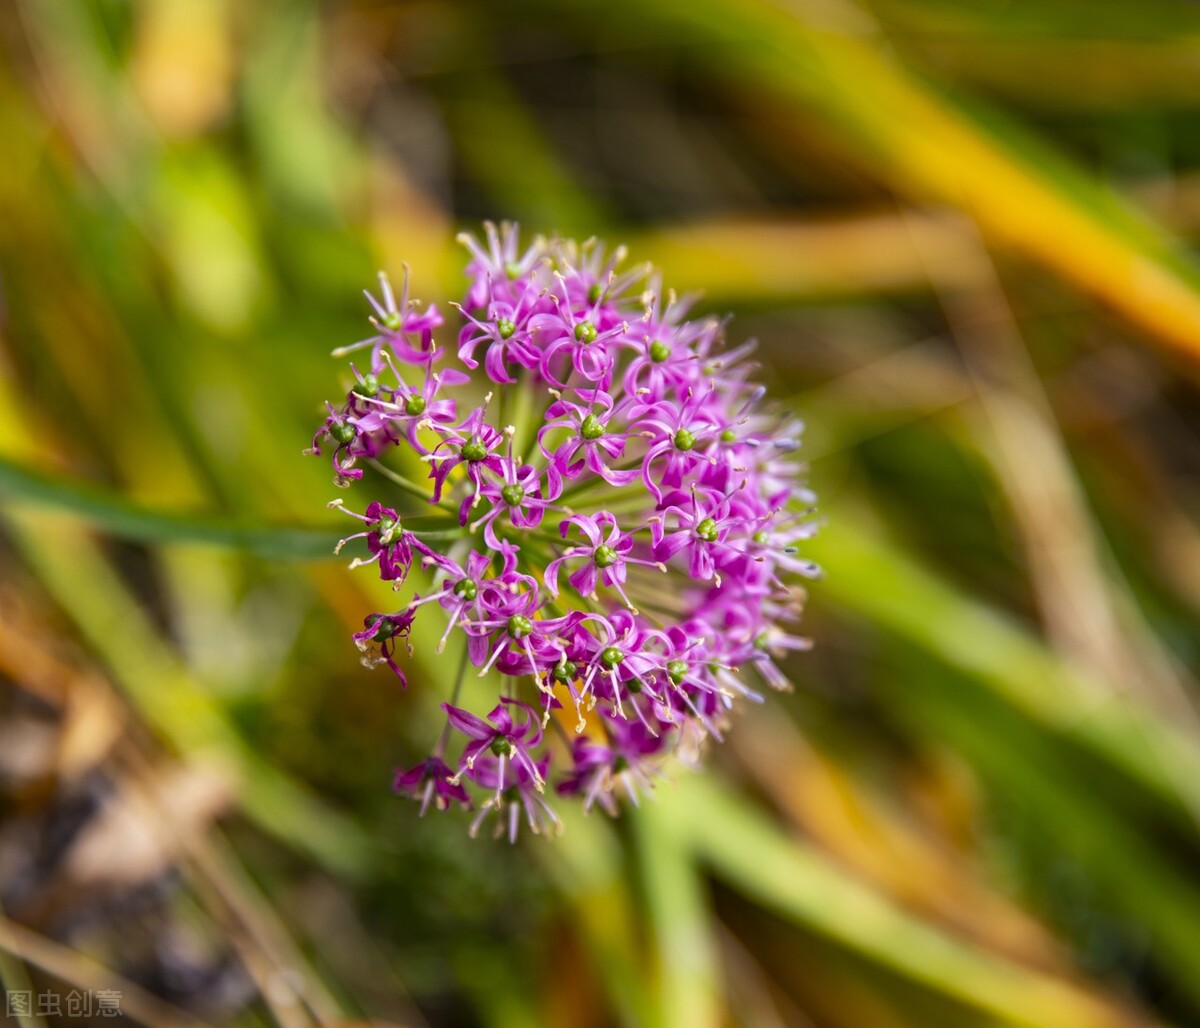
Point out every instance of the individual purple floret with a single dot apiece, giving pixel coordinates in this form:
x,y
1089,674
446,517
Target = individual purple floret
x,y
612,522
431,780
604,559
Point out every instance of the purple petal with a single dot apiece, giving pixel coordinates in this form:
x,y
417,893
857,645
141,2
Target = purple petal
x,y
467,723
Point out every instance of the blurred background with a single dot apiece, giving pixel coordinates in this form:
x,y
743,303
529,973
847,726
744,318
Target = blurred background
x,y
959,231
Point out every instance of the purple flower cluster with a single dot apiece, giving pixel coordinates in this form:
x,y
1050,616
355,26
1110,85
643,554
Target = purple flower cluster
x,y
620,520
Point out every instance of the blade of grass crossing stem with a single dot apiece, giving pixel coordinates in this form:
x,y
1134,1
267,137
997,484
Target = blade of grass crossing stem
x,y
126,520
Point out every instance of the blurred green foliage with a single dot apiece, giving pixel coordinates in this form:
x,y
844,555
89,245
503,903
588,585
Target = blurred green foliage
x,y
960,233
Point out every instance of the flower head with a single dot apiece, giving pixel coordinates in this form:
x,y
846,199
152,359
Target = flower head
x,y
616,530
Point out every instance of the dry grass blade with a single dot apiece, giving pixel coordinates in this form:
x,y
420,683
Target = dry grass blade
x,y
920,871
832,59
788,257
128,843
171,702
1079,601
75,969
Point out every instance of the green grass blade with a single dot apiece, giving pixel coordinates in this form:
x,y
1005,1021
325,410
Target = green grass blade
x,y
878,581
124,519
796,882
127,520
680,921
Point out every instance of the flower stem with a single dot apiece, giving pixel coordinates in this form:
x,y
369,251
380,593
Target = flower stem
x,y
522,412
439,750
408,486
595,483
